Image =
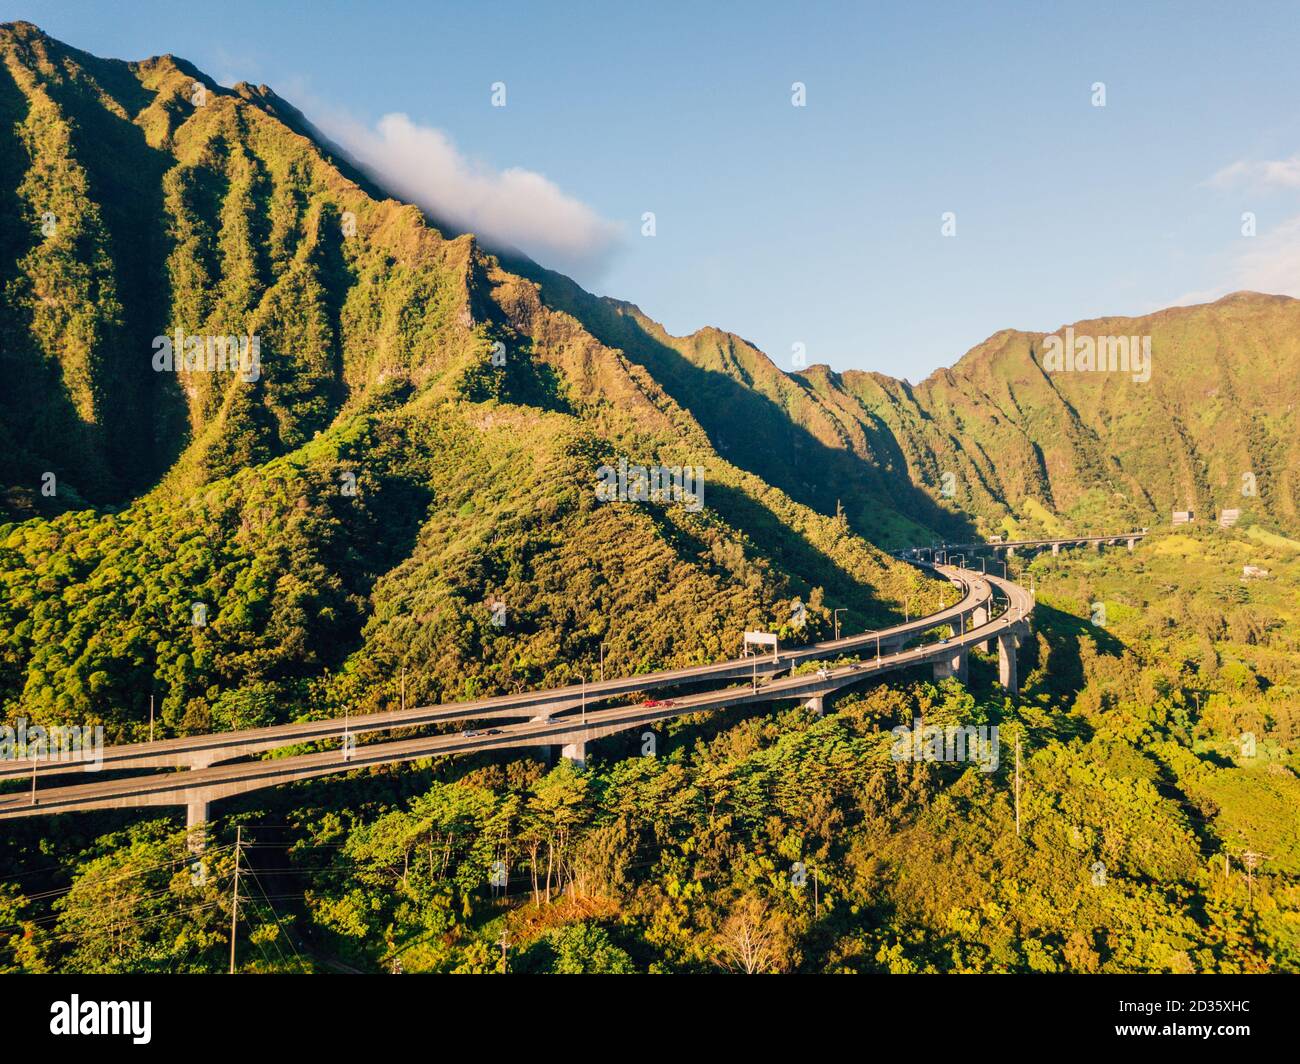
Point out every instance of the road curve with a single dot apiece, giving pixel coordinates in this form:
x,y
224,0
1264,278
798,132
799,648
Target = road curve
x,y
221,781
202,750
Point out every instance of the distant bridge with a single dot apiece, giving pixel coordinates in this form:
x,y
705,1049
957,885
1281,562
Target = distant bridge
x,y
1010,547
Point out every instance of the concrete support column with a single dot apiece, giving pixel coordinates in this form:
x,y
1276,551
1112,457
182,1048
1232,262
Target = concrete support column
x,y
1056,548
196,824
1130,543
1096,545
957,665
817,703
1007,662
548,751
575,752
981,617
1011,552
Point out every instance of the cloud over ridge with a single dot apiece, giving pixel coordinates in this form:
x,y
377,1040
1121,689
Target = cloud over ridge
x,y
514,207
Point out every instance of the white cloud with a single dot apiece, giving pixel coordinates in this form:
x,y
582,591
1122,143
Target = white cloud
x,y
1275,173
514,207
1268,263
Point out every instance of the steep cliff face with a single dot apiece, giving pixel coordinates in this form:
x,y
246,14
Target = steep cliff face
x,y
266,398
1212,425
144,201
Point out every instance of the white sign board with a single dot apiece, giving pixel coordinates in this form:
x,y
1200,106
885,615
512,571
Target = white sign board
x,y
763,639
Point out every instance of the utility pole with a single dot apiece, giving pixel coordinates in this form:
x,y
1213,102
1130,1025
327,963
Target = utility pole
x,y
1251,860
35,748
1017,786
234,898
835,616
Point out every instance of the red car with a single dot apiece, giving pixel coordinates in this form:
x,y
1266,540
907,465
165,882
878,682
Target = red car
x,y
653,703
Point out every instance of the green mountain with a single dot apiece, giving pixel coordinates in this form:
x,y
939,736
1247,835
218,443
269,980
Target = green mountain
x,y
1026,449
419,441
399,498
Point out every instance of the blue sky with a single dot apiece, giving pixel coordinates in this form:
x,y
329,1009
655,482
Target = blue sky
x,y
818,225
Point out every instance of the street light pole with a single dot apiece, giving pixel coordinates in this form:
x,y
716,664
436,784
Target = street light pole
x,y
835,616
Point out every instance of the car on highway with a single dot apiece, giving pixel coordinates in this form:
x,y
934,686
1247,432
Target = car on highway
x,y
470,733
824,673
654,703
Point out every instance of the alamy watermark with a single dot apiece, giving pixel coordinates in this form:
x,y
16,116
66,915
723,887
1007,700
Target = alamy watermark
x,y
638,483
1098,354
60,742
930,742
208,354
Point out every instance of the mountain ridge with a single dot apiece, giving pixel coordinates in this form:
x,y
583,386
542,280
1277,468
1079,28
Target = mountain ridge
x,y
903,461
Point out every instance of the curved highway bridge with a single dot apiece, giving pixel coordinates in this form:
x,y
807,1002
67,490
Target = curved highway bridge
x,y
992,612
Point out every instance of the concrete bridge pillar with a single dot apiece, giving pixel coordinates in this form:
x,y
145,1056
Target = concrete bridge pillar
x,y
1007,662
548,751
1130,544
956,665
575,752
1011,552
196,824
1056,548
817,703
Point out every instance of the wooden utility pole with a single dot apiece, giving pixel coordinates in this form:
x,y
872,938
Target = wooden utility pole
x,y
234,899
1017,786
